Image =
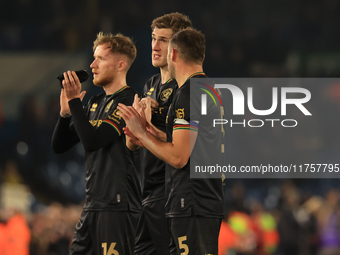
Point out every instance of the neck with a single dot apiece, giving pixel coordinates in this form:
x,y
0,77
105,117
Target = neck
x,y
117,84
183,73
164,74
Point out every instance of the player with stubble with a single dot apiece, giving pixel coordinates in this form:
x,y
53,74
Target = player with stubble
x,y
107,224
152,236
194,207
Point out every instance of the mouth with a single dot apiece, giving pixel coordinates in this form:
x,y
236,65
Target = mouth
x,y
156,56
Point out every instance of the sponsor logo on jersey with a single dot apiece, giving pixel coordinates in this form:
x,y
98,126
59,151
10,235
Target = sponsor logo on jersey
x,y
159,110
95,123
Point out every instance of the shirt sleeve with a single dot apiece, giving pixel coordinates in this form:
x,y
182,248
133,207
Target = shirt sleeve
x,y
92,138
115,121
64,136
183,119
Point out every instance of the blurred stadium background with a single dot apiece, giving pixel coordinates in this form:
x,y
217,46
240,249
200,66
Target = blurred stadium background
x,y
39,39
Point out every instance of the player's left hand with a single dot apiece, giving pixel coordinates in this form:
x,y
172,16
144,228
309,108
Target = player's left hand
x,y
133,120
148,100
72,86
136,104
134,140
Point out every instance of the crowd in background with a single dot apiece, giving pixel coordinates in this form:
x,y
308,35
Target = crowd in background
x,y
244,39
300,224
46,232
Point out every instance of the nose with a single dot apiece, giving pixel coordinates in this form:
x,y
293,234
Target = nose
x,y
93,64
155,45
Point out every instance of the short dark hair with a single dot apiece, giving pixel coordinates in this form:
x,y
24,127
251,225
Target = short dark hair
x,y
176,21
118,44
190,43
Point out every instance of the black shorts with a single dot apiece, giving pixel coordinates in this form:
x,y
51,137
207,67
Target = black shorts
x,y
152,237
195,234
107,232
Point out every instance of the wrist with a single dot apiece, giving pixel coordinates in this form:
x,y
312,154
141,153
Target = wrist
x,y
143,135
65,114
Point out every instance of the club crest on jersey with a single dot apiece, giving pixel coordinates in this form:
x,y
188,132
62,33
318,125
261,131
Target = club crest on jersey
x,y
180,113
107,108
93,107
165,94
150,91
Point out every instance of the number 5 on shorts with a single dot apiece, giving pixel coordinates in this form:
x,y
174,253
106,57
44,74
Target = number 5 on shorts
x,y
111,250
183,245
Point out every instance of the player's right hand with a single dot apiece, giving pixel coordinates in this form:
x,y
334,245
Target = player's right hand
x,y
72,86
65,111
132,139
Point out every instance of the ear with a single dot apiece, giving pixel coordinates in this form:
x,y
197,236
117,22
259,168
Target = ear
x,y
174,55
122,65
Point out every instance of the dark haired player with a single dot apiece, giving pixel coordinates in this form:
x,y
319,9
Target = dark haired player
x,y
112,205
152,236
194,207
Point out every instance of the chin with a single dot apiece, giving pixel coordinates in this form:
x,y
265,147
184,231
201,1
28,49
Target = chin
x,y
158,64
97,83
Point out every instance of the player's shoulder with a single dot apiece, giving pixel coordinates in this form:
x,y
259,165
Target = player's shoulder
x,y
182,96
96,98
125,96
154,79
184,90
172,83
128,91
150,83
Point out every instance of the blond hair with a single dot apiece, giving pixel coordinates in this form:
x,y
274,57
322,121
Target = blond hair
x,y
118,44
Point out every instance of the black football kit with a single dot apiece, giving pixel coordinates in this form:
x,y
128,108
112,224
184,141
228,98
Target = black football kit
x,y
113,200
152,235
194,206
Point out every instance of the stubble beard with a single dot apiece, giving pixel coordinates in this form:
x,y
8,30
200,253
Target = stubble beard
x,y
102,82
